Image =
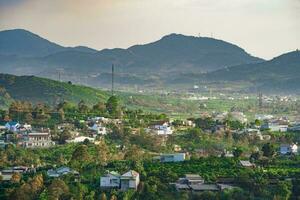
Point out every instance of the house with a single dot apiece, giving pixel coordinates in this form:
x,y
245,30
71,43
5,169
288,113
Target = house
x,y
12,126
252,131
246,164
25,127
239,116
81,139
130,180
288,149
100,130
263,117
176,157
55,173
2,128
275,126
192,179
99,120
205,187
110,180
161,128
195,183
220,116
189,179
8,173
34,140
127,181
294,128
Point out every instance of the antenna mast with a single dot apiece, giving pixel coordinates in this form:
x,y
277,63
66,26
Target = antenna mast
x,y
112,79
260,100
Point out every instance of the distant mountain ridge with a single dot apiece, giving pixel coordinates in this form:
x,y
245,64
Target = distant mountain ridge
x,y
20,42
24,53
282,73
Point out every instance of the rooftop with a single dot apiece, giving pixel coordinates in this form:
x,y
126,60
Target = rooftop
x,y
204,187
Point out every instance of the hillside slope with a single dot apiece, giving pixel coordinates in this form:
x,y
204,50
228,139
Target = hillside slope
x,y
34,89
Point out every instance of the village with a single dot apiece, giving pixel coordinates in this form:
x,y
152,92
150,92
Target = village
x,y
163,142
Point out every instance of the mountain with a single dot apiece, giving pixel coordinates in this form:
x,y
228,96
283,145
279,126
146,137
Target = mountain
x,y
26,53
279,74
34,89
26,44
23,43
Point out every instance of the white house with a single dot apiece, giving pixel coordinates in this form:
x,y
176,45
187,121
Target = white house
x,y
239,116
12,126
110,180
247,164
100,130
275,126
288,149
99,120
25,127
263,117
176,157
2,128
81,139
130,180
161,128
34,140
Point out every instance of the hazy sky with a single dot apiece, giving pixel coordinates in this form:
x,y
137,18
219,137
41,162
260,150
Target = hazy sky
x,y
264,28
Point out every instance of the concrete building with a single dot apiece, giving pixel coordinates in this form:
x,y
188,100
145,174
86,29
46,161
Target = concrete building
x,y
34,140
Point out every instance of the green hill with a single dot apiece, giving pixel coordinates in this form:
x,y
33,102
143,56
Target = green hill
x,y
34,89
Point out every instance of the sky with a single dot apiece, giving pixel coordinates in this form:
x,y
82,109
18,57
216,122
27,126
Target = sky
x,y
264,28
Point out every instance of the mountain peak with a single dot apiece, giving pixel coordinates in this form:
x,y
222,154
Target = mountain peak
x,y
24,43
290,56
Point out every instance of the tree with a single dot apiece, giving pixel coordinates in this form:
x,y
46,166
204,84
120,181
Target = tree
x,y
102,153
28,118
90,196
63,136
205,123
57,189
6,118
103,196
112,106
80,154
268,150
283,190
82,107
99,107
255,155
113,197
257,122
37,183
16,177
134,153
237,152
194,134
29,190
